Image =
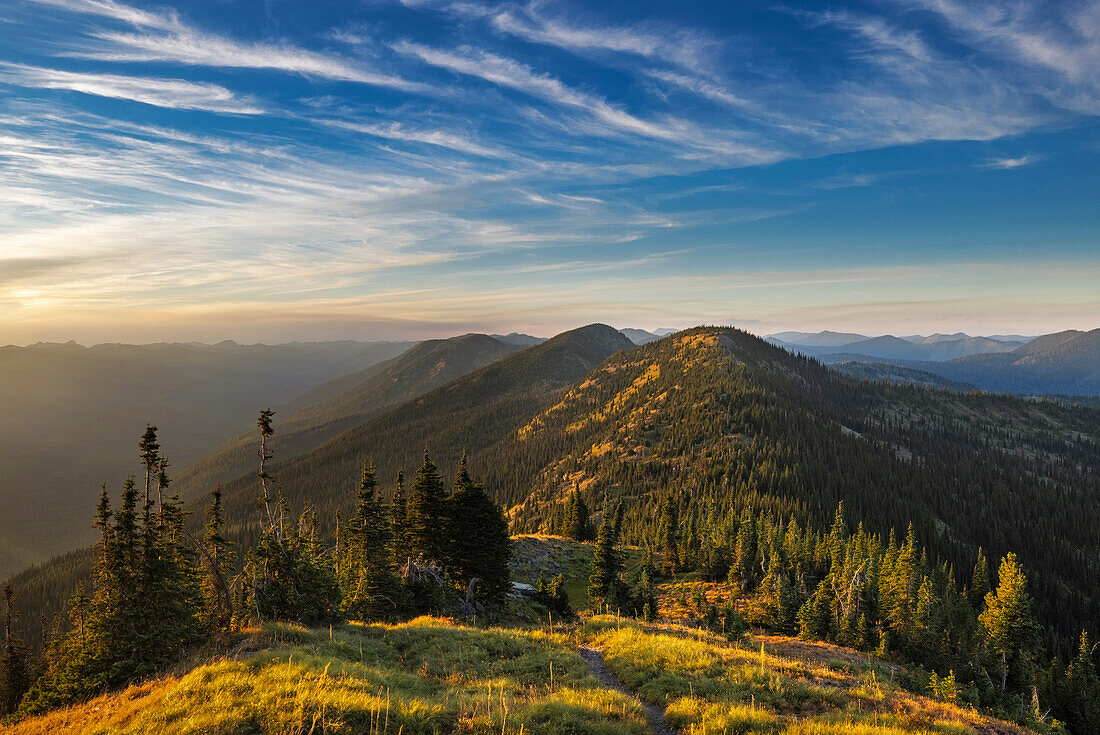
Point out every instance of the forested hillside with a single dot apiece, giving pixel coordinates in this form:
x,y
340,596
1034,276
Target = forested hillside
x,y
349,401
723,423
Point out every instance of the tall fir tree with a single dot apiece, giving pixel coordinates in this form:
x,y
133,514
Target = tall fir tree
x,y
217,560
979,582
1080,692
478,545
399,522
424,513
605,585
368,576
578,525
150,457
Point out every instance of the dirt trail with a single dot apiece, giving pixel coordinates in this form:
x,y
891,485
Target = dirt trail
x,y
594,658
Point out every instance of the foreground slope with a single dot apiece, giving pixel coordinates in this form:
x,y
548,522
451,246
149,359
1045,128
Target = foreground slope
x,y
725,423
435,676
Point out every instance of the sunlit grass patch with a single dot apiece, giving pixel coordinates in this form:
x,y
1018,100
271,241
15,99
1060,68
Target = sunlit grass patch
x,y
423,677
663,667
698,715
599,712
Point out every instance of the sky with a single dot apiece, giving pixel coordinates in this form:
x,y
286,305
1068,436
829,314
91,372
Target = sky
x,y
277,170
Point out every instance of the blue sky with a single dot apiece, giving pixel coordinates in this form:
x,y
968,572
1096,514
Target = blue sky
x,y
279,170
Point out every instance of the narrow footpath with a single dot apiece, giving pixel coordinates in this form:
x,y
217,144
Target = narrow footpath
x,y
594,658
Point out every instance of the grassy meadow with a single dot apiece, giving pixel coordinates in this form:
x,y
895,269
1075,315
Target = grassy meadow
x,y
436,676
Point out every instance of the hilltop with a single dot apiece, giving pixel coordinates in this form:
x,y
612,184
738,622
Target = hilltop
x,y
725,422
438,676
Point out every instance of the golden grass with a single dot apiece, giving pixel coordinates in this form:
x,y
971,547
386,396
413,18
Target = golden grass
x,y
434,675
425,676
110,711
772,684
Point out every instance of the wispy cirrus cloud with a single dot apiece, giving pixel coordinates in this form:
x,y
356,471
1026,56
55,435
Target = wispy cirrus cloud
x,y
1053,48
165,37
401,132
521,77
171,93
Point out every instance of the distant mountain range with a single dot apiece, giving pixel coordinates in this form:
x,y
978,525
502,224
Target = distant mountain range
x,y
72,415
1063,363
641,336
935,348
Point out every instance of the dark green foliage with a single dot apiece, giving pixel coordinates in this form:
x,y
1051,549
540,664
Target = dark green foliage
x,y
477,545
979,582
368,575
645,593
217,563
15,675
402,552
606,588
1079,692
290,577
425,512
553,595
670,535
146,605
734,626
578,524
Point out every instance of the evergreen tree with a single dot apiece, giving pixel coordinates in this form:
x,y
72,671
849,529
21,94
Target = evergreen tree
x,y
368,575
605,585
150,457
1079,704
15,678
478,543
216,559
274,519
145,606
979,582
425,514
578,525
1010,628
670,535
399,523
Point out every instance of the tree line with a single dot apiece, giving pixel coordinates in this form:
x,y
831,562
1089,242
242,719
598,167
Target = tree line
x,y
159,590
978,644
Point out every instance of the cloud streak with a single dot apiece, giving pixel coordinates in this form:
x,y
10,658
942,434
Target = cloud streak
x,y
165,37
171,93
